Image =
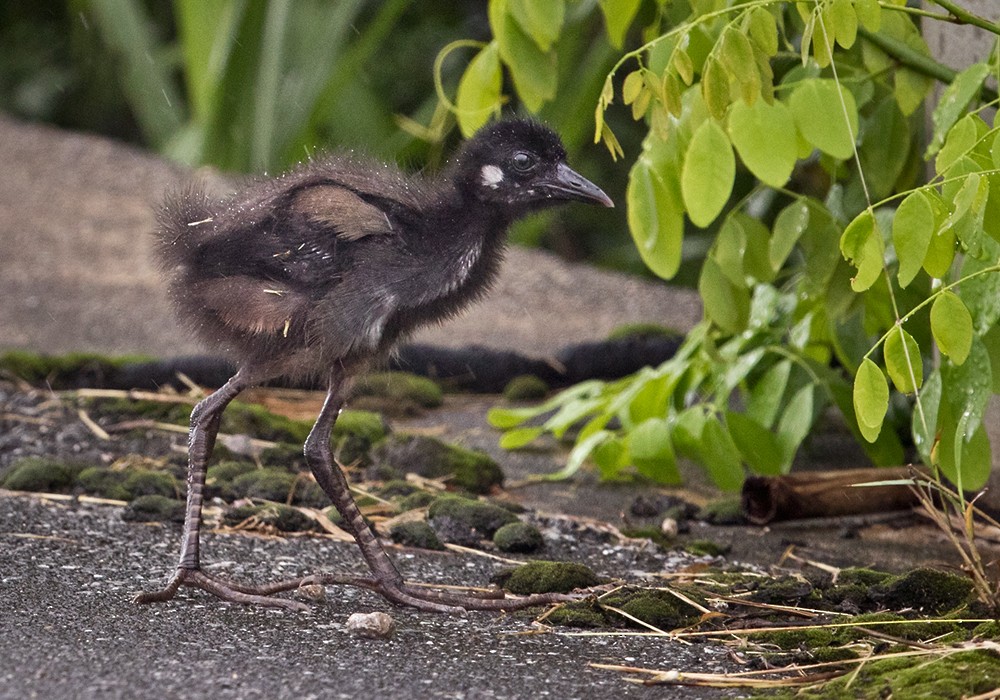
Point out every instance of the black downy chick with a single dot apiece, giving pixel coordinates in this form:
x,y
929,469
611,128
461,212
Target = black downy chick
x,y
318,273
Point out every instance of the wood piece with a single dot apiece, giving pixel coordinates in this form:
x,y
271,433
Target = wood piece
x,y
826,494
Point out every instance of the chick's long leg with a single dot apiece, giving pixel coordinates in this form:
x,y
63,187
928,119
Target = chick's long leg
x,y
205,419
386,578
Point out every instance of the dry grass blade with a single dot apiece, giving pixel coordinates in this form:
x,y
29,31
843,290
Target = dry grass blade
x,y
92,426
633,618
480,553
790,609
134,394
715,680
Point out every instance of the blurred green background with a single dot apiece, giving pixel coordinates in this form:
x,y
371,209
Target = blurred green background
x,y
252,86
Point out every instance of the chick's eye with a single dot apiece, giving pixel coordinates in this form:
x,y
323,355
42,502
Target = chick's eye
x,y
523,161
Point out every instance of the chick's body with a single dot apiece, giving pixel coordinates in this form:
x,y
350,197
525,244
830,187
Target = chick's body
x,y
326,264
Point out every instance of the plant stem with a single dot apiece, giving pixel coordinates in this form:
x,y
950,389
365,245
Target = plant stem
x,y
963,16
921,63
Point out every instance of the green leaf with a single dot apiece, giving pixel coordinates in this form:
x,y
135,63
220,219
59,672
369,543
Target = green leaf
x,y
654,217
505,418
766,396
683,65
795,422
652,451
541,20
871,399
715,88
533,70
903,361
925,417
756,443
969,386
764,136
826,115
519,437
960,140
618,17
736,55
788,227
953,103
720,456
912,230
845,22
708,173
726,304
951,324
479,90
885,147
632,86
764,30
869,14
861,244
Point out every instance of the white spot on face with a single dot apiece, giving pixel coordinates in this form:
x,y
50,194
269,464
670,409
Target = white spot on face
x,y
491,176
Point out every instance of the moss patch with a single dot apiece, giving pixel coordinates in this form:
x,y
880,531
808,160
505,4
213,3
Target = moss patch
x,y
415,534
706,548
65,371
466,521
929,590
642,330
419,499
40,474
547,577
958,675
525,387
519,538
154,508
400,387
466,469
725,511
276,515
127,484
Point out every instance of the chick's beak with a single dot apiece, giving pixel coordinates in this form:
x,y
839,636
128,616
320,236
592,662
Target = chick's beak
x,y
568,184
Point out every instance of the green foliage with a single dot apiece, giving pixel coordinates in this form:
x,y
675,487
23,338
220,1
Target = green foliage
x,y
792,133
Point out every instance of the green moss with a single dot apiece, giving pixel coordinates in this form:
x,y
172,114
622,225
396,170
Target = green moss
x,y
861,576
284,455
520,538
277,485
484,519
806,638
125,408
397,487
63,371
276,515
39,474
525,387
577,615
642,330
706,548
929,590
725,511
419,499
219,477
987,630
415,534
547,577
127,484
657,608
786,590
951,677
400,387
154,508
466,469
649,533
241,418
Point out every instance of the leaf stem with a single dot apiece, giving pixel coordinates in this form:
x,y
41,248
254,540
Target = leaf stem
x,y
921,63
963,16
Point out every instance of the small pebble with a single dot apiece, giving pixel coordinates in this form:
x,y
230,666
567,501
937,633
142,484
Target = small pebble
x,y
669,527
375,625
312,592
